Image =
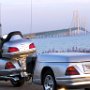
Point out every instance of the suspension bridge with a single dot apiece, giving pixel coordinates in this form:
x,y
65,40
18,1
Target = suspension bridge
x,y
76,27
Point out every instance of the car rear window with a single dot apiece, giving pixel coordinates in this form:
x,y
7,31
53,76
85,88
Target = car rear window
x,y
15,37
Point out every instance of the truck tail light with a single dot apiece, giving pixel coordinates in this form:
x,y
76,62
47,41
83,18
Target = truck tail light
x,y
31,46
71,71
9,65
13,49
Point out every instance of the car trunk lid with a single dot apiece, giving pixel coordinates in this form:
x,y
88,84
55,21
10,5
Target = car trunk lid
x,y
64,57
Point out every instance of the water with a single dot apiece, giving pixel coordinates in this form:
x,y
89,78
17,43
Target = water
x,y
60,44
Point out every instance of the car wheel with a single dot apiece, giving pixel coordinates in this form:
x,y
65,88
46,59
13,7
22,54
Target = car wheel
x,y
49,82
18,83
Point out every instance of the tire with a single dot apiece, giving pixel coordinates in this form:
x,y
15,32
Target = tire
x,y
48,81
18,83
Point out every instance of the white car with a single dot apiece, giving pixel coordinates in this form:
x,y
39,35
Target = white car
x,y
68,70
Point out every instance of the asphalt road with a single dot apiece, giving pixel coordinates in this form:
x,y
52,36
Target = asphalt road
x,y
27,86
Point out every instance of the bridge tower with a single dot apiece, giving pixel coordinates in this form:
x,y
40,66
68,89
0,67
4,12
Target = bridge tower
x,y
76,24
76,21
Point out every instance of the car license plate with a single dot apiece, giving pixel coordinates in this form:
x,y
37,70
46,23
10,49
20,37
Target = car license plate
x,y
24,74
24,47
86,67
23,63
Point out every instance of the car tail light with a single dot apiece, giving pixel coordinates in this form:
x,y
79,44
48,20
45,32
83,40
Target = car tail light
x,y
9,65
13,49
31,46
71,71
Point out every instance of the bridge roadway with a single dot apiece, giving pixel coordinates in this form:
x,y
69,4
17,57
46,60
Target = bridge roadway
x,y
27,86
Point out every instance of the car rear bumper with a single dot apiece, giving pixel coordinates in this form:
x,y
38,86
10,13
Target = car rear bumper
x,y
81,82
12,74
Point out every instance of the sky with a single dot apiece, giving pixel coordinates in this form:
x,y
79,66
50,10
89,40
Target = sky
x,y
47,15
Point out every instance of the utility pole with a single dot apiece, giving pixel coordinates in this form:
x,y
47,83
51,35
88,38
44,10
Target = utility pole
x,y
31,16
0,22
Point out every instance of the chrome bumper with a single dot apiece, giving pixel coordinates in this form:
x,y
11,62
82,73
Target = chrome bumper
x,y
13,74
80,82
